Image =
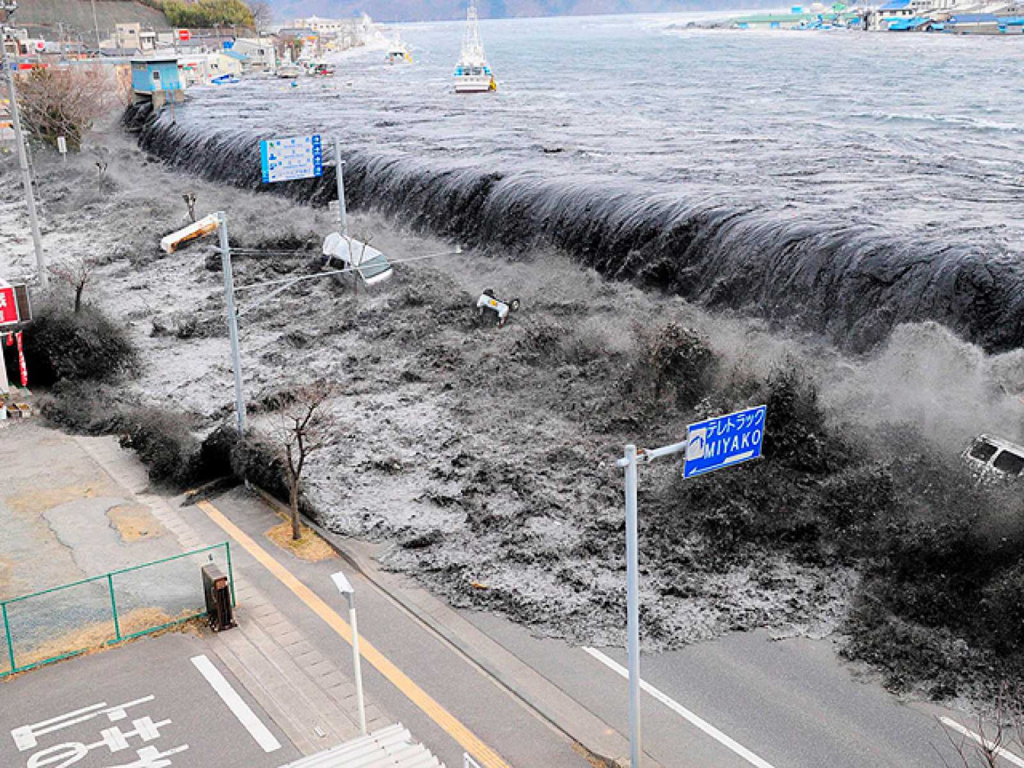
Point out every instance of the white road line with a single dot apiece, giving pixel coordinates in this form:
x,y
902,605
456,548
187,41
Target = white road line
x,y
238,707
1005,754
686,714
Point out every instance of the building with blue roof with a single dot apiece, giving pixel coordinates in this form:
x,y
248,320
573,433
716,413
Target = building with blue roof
x,y
156,80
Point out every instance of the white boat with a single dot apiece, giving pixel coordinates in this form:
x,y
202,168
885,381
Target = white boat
x,y
472,74
289,71
398,53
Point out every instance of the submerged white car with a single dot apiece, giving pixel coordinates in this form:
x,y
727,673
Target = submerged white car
x,y
994,458
370,264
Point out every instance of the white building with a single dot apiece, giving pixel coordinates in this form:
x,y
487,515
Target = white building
x,y
259,51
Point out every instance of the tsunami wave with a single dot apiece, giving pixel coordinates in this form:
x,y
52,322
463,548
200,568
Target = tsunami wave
x,y
851,284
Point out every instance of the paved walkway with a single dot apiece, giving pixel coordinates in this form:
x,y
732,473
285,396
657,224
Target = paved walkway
x,y
305,693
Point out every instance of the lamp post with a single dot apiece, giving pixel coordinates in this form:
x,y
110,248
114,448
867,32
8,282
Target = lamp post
x,y
346,589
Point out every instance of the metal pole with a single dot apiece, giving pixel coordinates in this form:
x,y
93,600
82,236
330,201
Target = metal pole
x,y
10,644
5,385
356,662
633,608
229,299
26,175
113,607
96,25
339,170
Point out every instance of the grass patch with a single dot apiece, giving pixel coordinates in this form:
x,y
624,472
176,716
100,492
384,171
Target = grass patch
x,y
310,547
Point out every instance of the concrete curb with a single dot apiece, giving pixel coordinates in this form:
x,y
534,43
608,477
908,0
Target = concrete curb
x,y
540,708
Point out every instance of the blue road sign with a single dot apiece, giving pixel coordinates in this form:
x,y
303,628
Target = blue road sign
x,y
724,441
297,157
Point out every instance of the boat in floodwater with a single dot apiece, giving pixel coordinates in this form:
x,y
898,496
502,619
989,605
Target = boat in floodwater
x,y
398,52
472,73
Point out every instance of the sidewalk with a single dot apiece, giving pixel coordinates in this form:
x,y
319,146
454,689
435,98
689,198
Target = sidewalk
x,y
312,701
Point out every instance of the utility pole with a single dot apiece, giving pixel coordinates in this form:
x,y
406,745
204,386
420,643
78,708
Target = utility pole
x,y
96,26
9,7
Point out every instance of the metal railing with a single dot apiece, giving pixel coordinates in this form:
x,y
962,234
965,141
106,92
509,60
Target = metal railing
x,y
76,618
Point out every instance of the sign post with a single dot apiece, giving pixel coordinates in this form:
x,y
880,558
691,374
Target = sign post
x,y
711,444
62,147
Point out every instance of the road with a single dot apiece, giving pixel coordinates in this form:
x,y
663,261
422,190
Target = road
x,y
791,703
520,737
161,701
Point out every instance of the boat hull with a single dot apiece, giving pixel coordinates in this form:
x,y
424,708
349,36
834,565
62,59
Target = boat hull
x,y
472,84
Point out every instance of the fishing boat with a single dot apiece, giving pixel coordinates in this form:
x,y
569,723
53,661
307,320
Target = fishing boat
x,y
398,53
472,74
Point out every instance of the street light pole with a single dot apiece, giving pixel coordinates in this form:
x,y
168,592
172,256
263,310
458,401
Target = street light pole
x,y
26,176
229,298
346,589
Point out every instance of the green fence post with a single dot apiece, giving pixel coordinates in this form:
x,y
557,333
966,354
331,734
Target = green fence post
x,y
10,645
113,605
231,574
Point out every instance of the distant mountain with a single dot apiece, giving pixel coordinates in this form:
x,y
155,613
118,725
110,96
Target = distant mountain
x,y
437,10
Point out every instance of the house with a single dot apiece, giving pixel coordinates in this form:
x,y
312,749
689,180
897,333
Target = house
x,y
156,80
225,62
259,51
973,24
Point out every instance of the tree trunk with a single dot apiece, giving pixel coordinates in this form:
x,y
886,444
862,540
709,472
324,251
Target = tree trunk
x,y
296,530
78,297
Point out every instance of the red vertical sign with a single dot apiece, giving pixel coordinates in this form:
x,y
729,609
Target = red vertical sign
x,y
21,362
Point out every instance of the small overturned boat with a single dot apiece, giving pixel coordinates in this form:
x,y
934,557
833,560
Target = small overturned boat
x,y
472,73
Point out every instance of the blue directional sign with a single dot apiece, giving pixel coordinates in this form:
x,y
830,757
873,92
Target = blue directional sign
x,y
724,441
297,157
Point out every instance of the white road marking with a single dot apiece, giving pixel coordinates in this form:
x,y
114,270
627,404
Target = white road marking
x,y
686,714
1005,754
238,707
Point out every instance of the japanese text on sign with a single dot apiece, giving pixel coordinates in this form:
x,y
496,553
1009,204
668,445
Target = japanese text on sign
x,y
724,441
298,157
8,305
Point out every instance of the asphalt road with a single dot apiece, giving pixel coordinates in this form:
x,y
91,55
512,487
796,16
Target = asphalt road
x,y
143,705
501,721
791,703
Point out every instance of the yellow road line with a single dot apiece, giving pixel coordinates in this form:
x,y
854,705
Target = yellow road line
x,y
483,754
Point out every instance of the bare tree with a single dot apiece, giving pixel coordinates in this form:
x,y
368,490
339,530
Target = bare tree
x,y
76,274
985,744
306,426
65,102
262,14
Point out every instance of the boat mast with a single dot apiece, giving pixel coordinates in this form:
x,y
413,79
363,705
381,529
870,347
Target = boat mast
x,y
472,48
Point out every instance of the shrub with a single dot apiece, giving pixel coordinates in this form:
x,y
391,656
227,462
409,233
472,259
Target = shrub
x,y
673,363
256,459
164,443
83,408
215,453
62,345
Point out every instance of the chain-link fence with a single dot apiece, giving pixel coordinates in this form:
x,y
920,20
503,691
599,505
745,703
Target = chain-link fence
x,y
80,617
